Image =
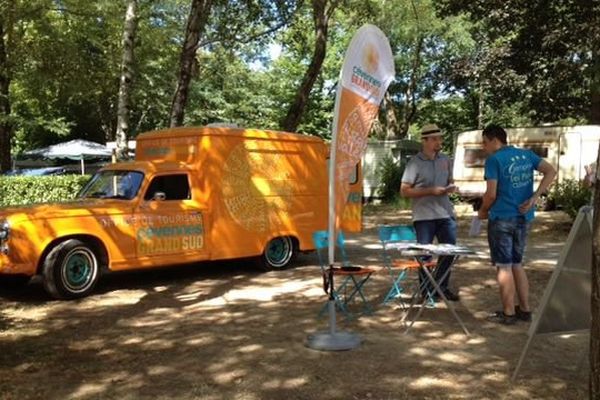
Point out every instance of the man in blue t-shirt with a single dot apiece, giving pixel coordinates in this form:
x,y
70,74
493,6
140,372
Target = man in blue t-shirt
x,y
509,202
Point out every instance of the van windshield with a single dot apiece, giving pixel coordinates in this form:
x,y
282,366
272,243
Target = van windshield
x,y
113,185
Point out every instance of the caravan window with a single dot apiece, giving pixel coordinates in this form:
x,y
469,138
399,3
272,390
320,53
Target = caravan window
x,y
541,151
475,157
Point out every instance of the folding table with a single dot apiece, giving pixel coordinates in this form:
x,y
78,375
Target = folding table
x,y
420,252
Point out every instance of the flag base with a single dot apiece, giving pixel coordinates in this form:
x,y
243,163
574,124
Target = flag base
x,y
333,340
337,341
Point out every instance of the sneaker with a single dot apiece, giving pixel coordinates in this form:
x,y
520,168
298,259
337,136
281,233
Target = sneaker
x,y
451,296
500,318
522,315
428,301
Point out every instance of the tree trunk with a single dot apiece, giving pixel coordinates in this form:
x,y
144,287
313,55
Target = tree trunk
x,y
126,80
410,104
195,27
321,15
594,386
392,130
481,107
5,125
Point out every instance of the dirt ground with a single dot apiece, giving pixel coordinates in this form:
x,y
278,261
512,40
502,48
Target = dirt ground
x,y
226,331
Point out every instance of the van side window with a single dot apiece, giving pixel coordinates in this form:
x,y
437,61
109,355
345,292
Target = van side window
x,y
474,157
175,187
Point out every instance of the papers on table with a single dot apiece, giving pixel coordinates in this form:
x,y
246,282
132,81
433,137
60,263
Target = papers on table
x,y
475,227
437,249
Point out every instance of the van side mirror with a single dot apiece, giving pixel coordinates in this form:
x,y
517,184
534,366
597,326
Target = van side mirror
x,y
159,196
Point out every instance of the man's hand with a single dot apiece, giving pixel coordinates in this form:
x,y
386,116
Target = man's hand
x,y
526,205
437,190
451,188
482,214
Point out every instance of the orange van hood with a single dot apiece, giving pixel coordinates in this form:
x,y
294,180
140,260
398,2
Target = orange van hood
x,y
75,208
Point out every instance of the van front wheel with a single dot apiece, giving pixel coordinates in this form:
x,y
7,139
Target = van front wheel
x,y
70,270
278,254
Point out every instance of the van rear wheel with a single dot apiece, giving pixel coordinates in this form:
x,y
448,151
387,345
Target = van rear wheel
x,y
278,254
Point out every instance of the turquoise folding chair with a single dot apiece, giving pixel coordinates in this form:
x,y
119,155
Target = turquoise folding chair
x,y
398,266
353,278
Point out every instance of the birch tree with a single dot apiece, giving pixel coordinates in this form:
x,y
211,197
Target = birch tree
x,y
5,126
126,80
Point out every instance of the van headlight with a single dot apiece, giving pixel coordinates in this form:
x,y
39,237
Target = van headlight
x,y
4,230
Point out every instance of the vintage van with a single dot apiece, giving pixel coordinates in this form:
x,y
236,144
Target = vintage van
x,y
570,149
192,194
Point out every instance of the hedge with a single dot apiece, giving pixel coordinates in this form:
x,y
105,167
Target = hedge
x,y
17,190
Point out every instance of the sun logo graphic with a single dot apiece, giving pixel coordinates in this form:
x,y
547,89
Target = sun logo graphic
x,y
370,58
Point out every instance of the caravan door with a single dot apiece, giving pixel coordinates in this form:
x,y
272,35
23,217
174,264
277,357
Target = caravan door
x,y
570,163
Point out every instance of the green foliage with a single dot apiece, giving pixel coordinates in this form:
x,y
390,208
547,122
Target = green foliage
x,y
521,63
570,195
18,190
390,174
533,61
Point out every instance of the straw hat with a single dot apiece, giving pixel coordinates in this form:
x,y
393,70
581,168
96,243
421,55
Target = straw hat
x,y
430,130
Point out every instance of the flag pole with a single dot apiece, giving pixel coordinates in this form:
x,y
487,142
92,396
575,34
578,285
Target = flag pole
x,y
367,70
333,340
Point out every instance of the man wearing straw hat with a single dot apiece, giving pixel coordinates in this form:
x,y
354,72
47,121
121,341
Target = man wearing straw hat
x,y
427,181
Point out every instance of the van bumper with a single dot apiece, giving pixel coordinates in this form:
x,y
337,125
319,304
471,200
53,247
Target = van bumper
x,y
7,267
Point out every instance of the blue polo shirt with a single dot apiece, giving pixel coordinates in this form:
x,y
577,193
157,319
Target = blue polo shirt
x,y
513,169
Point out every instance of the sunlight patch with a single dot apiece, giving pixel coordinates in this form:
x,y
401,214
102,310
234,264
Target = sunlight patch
x,y
224,378
214,302
476,340
115,298
159,370
250,348
147,321
31,332
494,377
426,382
454,358
158,344
89,389
292,383
201,341
189,296
263,293
419,351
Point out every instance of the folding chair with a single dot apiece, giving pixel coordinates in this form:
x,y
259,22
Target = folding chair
x,y
392,238
353,278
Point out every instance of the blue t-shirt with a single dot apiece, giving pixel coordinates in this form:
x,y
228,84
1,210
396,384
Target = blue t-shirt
x,y
513,169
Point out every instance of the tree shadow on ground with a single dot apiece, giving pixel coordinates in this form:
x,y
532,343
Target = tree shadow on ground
x,y
226,332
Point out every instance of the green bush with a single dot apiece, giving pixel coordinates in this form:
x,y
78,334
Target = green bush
x,y
570,195
390,174
18,190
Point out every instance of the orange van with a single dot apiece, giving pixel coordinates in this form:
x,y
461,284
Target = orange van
x,y
192,194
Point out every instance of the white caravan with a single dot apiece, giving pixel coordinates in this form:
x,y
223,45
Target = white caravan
x,y
570,149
